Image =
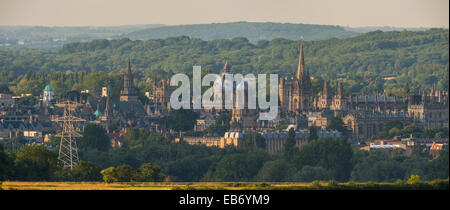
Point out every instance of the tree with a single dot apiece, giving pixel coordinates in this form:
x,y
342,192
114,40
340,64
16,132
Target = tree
x,y
393,124
94,136
334,155
439,167
26,101
414,179
109,175
247,142
394,132
240,167
377,166
337,124
311,173
180,120
15,143
419,150
6,164
147,173
35,163
275,171
124,173
312,133
289,145
86,171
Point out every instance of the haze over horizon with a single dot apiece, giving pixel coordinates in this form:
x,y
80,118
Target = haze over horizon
x,y
351,13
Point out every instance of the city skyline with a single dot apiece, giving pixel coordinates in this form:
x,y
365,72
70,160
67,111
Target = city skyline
x,y
352,13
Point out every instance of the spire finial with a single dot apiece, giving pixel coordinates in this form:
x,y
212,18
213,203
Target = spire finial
x,y
301,62
129,65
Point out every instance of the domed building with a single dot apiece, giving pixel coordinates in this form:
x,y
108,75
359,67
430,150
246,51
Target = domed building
x,y
48,95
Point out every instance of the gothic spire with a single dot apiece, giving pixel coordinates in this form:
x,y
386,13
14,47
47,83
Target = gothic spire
x,y
226,68
129,66
301,63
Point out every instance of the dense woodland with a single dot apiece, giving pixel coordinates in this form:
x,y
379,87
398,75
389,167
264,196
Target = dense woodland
x,y
419,58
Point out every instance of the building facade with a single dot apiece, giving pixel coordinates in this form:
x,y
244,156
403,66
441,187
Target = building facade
x,y
296,95
128,93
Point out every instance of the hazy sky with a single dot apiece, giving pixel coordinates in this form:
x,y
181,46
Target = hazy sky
x,y
399,13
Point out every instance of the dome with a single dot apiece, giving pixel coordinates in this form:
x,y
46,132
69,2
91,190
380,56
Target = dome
x,y
97,113
48,88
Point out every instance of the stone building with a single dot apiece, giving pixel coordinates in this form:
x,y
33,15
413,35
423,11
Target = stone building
x,y
364,125
228,139
430,110
128,92
340,102
243,119
161,95
296,95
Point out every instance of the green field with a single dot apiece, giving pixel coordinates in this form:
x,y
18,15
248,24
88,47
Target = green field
x,y
399,185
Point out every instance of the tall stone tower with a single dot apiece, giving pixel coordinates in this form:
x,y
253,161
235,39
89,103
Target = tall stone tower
x,y
324,100
339,100
283,95
243,119
128,93
302,95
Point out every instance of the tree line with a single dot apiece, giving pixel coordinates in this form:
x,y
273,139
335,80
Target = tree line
x,y
419,58
146,156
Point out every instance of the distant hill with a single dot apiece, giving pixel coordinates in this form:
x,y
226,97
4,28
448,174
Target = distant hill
x,y
43,37
252,31
362,63
381,28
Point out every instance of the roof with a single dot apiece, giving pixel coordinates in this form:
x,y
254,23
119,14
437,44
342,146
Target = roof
x,y
436,147
373,99
97,113
48,88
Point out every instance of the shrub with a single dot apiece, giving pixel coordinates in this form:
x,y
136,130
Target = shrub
x,y
315,184
414,179
333,184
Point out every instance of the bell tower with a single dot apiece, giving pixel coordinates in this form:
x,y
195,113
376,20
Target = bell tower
x,y
128,92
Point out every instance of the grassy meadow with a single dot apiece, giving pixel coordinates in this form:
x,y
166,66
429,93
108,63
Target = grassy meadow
x,y
331,185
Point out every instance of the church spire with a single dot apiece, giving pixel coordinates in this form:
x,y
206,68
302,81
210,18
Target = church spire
x,y
325,88
128,92
129,66
301,63
226,68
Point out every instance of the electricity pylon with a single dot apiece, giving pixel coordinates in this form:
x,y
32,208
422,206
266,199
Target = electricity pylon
x,y
68,151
